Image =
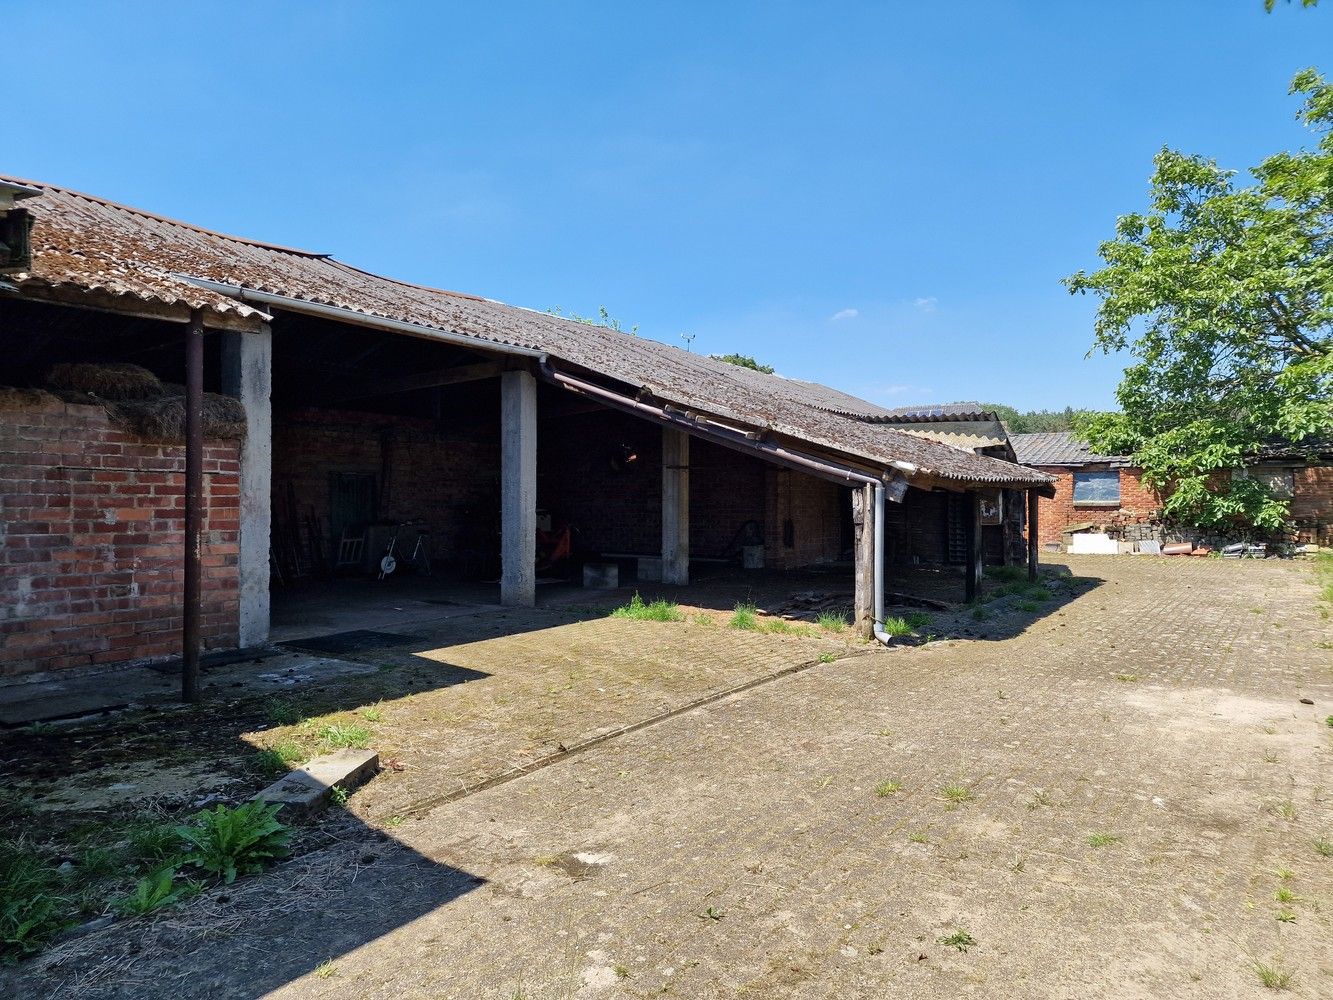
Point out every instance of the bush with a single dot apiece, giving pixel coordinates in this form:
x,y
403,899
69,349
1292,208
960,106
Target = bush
x,y
30,902
230,842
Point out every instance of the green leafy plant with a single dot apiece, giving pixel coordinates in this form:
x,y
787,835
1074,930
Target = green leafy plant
x,y
1102,839
1222,293
228,842
153,892
959,939
655,611
31,902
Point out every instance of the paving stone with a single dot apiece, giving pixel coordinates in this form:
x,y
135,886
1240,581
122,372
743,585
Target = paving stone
x,y
307,788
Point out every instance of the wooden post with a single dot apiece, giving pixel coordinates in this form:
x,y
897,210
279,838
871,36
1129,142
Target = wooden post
x,y
1032,536
974,549
191,610
863,522
675,506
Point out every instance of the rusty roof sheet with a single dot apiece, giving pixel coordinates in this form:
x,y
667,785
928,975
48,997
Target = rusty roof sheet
x,y
96,245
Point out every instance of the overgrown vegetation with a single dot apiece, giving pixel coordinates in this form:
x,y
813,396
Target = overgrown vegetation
x,y
229,842
656,611
156,891
1223,295
32,901
743,361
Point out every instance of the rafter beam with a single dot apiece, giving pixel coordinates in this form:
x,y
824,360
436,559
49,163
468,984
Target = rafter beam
x,y
422,380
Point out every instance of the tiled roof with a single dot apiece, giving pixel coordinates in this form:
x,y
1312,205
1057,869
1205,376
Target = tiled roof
x,y
1057,448
90,244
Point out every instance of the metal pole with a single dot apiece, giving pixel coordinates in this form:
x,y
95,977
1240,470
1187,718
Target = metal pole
x,y
194,504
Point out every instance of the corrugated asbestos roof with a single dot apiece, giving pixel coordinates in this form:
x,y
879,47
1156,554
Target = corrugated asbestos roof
x,y
91,244
1057,448
941,412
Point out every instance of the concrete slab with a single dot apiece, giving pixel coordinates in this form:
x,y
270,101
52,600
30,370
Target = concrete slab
x,y
306,789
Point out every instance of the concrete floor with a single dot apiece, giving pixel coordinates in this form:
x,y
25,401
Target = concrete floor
x,y
1115,797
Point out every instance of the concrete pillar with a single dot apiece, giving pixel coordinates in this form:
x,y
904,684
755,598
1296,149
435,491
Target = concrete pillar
x,y
863,522
675,506
518,489
247,374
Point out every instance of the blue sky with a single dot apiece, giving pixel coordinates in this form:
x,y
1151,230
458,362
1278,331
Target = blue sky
x,y
880,196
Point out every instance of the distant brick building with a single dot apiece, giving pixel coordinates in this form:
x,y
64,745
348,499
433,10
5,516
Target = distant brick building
x,y
1108,492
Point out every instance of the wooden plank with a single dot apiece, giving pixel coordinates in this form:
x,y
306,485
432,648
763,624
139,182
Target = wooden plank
x,y
974,549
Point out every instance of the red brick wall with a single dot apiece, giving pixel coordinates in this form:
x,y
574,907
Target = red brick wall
x,y
423,470
93,530
1138,502
1312,504
814,507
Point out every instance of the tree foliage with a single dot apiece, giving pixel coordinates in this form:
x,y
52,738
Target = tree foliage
x,y
1035,421
1270,4
1222,293
744,361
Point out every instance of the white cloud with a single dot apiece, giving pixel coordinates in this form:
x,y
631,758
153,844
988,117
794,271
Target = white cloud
x,y
883,391
926,304
842,314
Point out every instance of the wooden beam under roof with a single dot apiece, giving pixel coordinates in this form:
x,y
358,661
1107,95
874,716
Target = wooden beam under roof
x,y
422,380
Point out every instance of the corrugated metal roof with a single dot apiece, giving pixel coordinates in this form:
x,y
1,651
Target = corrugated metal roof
x,y
92,244
1058,448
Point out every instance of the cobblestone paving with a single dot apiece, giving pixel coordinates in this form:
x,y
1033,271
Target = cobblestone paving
x,y
1106,804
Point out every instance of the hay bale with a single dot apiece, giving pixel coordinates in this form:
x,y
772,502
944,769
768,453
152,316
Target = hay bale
x,y
113,382
163,419
12,398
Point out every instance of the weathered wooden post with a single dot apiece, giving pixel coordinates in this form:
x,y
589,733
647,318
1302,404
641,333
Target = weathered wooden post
x,y
1032,536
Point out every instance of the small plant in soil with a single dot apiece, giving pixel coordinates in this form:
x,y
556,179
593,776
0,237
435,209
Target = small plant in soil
x,y
712,914
282,712
744,617
898,627
326,969
155,891
372,714
1102,839
959,939
887,788
957,794
1323,847
1272,976
918,838
826,657
656,611
228,842
31,902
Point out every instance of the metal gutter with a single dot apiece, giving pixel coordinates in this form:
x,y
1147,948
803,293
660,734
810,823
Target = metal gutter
x,y
741,441
340,314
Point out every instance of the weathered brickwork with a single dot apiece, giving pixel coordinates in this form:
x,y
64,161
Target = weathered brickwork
x,y
421,470
1311,507
1139,503
807,520
91,565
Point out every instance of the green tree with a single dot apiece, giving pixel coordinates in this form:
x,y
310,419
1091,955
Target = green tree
x,y
1270,4
1033,421
1223,295
744,361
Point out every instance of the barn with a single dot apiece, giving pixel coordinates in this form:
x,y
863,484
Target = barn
x,y
200,432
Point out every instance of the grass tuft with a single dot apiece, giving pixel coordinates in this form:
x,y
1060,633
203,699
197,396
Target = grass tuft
x,y
656,611
834,621
957,794
959,939
887,787
339,736
1102,839
744,617
1272,976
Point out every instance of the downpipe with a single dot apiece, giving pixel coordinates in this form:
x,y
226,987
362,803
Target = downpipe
x,y
738,439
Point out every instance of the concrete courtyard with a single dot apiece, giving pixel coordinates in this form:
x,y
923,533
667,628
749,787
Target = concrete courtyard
x,y
1116,795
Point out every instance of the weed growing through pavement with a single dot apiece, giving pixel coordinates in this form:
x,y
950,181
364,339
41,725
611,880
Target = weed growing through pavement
x,y
326,969
1127,678
956,794
826,657
1323,847
657,611
1273,976
744,617
918,838
959,939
